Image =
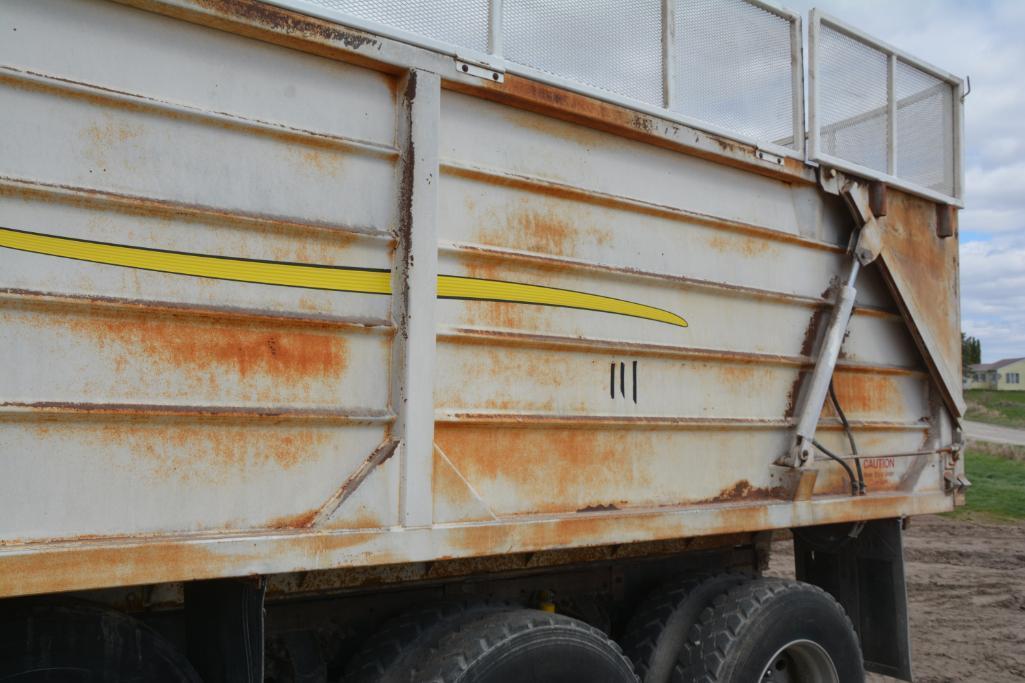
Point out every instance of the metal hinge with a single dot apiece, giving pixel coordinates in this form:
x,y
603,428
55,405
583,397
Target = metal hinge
x,y
485,70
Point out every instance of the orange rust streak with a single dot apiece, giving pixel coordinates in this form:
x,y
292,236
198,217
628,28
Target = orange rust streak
x,y
539,231
202,344
862,393
925,268
89,565
179,450
574,465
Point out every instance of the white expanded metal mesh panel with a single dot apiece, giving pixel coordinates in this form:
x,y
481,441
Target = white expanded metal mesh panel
x,y
463,23
732,67
732,62
852,112
614,45
925,129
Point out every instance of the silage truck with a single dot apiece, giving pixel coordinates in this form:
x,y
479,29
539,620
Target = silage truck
x,y
495,340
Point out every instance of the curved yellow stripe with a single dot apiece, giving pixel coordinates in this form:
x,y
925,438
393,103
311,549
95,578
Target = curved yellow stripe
x,y
240,270
336,278
455,287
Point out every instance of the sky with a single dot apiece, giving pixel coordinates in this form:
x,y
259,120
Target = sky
x,y
986,41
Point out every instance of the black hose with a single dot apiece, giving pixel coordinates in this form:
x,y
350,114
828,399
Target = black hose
x,y
834,456
850,436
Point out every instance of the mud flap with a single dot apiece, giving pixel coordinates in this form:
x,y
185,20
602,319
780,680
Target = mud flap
x,y
224,626
862,566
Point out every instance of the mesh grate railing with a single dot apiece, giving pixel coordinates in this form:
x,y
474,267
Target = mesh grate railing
x,y
878,112
730,66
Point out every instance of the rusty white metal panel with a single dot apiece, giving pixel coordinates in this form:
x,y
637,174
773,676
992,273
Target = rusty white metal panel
x,y
154,385
624,413
485,135
530,216
187,69
581,382
83,137
202,426
91,215
137,473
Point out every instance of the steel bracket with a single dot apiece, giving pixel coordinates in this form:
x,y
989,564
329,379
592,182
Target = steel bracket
x,y
866,244
489,71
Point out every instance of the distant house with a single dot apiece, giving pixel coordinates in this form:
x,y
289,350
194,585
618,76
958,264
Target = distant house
x,y
1004,375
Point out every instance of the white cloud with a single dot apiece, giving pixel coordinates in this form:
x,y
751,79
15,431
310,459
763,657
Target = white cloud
x,y
993,294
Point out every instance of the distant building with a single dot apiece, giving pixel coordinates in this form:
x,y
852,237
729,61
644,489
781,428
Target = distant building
x,y
1004,375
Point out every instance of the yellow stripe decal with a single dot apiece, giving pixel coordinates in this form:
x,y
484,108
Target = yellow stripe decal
x,y
455,287
335,278
181,263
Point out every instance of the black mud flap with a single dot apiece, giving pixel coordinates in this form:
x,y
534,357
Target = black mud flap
x,y
224,629
862,566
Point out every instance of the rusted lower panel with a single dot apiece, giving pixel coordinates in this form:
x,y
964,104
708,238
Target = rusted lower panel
x,y
922,270
94,564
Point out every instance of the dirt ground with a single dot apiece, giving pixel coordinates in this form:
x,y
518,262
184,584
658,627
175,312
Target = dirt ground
x,y
966,589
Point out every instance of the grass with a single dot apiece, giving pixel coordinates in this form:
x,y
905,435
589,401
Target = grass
x,y
996,407
998,482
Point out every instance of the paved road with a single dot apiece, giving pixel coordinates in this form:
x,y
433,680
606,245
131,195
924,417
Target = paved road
x,y
994,433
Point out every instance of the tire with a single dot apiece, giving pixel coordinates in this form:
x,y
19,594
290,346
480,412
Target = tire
x,y
739,638
527,646
73,641
391,653
657,632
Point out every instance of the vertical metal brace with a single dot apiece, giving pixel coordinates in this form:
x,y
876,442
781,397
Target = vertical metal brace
x,y
496,29
891,114
797,83
814,24
414,288
668,50
958,133
865,250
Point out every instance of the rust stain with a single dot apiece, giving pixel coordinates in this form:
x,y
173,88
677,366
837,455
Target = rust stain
x,y
742,490
298,521
290,23
200,344
598,508
867,394
749,376
84,567
174,449
554,470
745,245
922,270
543,232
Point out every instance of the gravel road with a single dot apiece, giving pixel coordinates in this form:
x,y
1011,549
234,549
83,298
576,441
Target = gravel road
x,y
994,433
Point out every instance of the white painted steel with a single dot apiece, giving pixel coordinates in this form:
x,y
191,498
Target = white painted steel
x,y
896,61
415,280
162,427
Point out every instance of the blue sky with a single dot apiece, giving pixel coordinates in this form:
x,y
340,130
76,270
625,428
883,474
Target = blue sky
x,y
984,40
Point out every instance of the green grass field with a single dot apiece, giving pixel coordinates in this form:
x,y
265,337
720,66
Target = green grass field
x,y
998,485
996,407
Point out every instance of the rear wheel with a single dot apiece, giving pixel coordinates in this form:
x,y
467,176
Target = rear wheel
x,y
657,632
74,642
526,646
772,630
390,655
